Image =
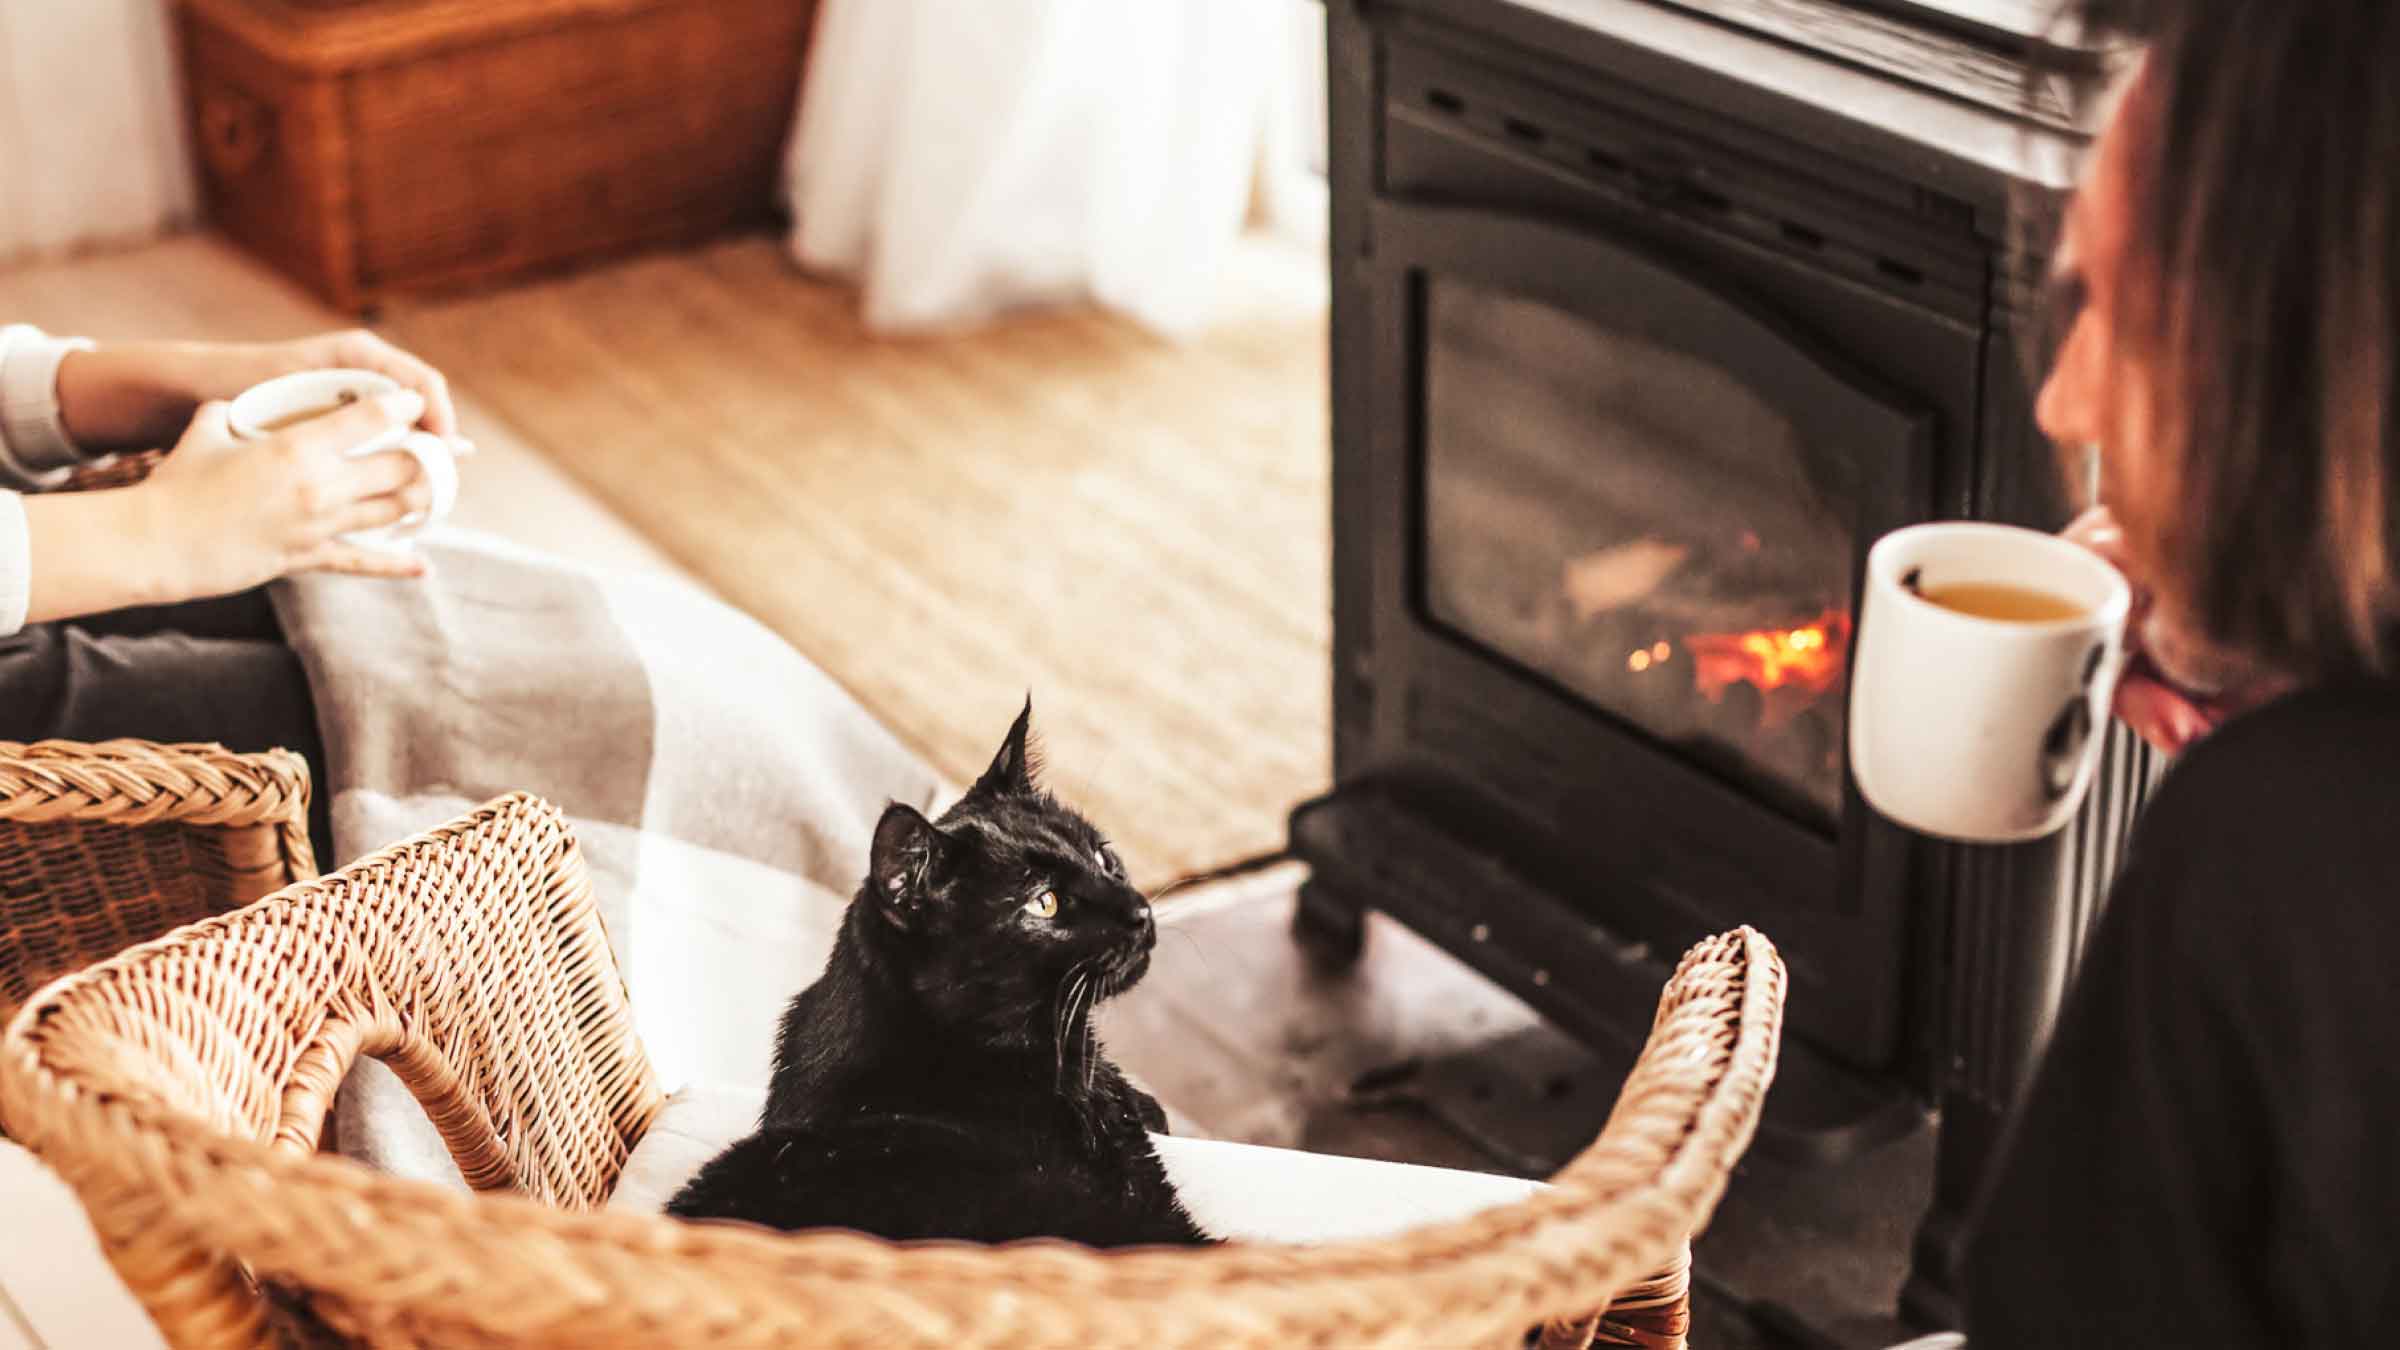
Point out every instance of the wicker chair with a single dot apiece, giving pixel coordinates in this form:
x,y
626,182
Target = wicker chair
x,y
103,846
179,1086
106,845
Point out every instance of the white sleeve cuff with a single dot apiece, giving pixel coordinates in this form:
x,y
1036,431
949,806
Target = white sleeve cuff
x,y
33,437
16,563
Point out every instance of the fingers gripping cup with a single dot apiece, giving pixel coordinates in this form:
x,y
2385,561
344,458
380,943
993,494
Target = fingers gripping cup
x,y
286,401
1987,657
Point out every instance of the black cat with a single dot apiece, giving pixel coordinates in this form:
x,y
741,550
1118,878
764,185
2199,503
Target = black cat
x,y
942,1079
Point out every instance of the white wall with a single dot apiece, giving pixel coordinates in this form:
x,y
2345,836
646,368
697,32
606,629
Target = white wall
x,y
91,138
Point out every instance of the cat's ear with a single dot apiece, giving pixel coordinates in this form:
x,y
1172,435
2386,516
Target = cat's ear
x,y
1012,769
905,863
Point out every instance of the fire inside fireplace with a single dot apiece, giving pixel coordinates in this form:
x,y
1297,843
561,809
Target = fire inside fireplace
x,y
1791,668
1631,521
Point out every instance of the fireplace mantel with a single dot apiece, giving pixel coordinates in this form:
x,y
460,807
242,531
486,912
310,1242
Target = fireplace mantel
x,y
1969,149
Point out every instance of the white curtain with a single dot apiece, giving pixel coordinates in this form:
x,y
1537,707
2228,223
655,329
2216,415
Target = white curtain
x,y
960,157
91,124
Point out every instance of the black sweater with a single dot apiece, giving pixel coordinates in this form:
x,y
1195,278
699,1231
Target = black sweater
x,y
2209,1154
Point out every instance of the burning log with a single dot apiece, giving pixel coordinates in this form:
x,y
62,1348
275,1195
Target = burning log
x,y
1790,667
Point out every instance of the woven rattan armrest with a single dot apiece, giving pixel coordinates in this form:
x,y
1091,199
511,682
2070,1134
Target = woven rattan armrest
x,y
103,846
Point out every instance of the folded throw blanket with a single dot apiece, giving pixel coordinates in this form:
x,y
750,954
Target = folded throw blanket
x,y
724,790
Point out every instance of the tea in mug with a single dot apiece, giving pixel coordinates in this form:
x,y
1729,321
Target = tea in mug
x,y
2009,604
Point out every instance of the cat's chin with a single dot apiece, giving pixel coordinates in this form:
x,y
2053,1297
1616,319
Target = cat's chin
x,y
1123,974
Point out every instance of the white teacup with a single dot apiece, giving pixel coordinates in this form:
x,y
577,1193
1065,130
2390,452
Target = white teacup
x,y
264,409
1973,726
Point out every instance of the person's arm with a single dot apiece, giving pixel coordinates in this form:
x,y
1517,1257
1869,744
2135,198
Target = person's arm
x,y
84,549
221,515
218,522
141,395
36,451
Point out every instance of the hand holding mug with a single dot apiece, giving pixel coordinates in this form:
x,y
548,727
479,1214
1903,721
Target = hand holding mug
x,y
2161,696
223,513
292,401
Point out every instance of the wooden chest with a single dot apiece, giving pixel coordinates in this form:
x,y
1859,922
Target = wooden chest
x,y
375,147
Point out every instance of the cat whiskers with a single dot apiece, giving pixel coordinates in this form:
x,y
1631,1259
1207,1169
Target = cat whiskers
x,y
1197,949
1077,986
1170,888
1058,1027
1086,1036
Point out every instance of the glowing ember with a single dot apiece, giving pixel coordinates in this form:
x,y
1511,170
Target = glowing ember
x,y
1790,667
1642,658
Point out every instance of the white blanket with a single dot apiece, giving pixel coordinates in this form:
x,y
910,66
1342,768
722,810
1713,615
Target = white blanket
x,y
723,788
1243,1192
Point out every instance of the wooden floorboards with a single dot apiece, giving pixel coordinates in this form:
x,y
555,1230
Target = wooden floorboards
x,y
1132,531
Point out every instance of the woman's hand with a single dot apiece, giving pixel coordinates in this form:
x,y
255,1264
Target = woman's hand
x,y
221,515
2163,713
237,514
141,395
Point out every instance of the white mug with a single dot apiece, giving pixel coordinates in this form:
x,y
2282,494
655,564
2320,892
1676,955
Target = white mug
x,y
1983,730
313,393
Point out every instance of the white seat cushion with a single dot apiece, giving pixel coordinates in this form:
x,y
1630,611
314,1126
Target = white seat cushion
x,y
1240,1191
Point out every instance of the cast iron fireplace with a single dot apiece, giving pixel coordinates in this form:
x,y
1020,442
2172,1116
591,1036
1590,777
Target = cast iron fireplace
x,y
1648,320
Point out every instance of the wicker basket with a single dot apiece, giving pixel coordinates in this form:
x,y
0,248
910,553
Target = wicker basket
x,y
384,146
178,1087
103,846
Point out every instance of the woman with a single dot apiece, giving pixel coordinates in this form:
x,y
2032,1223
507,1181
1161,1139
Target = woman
x,y
2207,1154
138,611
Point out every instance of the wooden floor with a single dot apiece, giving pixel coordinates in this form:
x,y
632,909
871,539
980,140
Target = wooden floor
x,y
1133,532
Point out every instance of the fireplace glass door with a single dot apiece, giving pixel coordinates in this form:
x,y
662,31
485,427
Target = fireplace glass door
x,y
1654,498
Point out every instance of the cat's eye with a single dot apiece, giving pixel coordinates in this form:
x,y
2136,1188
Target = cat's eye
x,y
1043,906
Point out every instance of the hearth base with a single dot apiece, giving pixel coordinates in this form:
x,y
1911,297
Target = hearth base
x,y
1372,852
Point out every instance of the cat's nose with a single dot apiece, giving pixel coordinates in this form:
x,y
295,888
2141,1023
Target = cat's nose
x,y
1145,924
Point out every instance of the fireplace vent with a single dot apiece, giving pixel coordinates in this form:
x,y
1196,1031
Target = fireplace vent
x,y
1705,185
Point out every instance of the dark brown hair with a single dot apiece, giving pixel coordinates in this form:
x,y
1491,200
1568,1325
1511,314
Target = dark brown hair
x,y
2256,293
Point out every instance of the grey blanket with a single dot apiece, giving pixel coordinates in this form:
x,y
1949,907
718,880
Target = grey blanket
x,y
724,790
